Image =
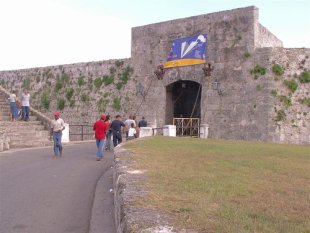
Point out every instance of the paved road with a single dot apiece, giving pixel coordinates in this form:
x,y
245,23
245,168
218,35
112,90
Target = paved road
x,y
41,194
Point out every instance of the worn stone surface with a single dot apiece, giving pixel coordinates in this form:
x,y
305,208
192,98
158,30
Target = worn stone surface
x,y
242,107
129,216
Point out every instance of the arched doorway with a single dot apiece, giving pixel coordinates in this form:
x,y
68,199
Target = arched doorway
x,y
183,100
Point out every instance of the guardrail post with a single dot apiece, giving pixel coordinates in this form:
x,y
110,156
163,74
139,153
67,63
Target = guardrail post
x,y
82,132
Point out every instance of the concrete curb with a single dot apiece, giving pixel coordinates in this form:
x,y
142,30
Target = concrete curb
x,y
128,217
98,220
97,209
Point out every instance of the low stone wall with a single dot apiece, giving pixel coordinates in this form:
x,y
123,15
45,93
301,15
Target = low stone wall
x,y
4,141
127,190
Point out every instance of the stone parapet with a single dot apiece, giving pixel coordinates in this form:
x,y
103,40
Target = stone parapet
x,y
4,141
127,190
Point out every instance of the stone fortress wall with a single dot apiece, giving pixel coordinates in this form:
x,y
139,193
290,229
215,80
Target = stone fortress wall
x,y
85,89
245,107
248,106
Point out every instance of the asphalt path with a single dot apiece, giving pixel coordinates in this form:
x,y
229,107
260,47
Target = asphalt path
x,y
43,194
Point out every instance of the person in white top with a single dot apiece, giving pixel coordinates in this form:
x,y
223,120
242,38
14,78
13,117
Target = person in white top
x,y
57,126
128,123
13,107
132,133
25,105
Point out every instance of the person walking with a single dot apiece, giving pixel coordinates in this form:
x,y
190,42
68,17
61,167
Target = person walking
x,y
116,127
128,123
132,133
109,134
100,127
57,126
13,107
25,105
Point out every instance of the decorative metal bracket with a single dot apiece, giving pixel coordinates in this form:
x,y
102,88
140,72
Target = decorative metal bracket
x,y
140,90
159,72
218,87
207,70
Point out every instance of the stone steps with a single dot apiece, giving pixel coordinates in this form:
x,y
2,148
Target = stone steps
x,y
30,143
8,118
22,134
19,123
28,133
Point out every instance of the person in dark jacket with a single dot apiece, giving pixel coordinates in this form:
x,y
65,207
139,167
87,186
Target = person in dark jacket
x,y
142,123
116,127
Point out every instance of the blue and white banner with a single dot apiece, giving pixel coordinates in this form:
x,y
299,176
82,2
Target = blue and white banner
x,y
187,51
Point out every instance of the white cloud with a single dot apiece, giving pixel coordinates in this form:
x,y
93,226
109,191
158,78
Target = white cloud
x,y
41,33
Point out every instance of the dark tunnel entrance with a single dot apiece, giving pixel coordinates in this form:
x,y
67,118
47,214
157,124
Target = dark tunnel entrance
x,y
183,100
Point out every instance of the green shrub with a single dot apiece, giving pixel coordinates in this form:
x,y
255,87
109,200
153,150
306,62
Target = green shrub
x,y
280,115
258,70
58,86
61,104
64,77
305,101
107,80
291,84
119,85
45,100
126,73
274,92
26,84
81,81
304,77
72,103
119,63
70,93
47,74
102,104
247,54
285,100
112,70
277,69
117,103
259,87
84,97
98,82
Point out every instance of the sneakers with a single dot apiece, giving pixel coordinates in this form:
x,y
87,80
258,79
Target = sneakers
x,y
98,159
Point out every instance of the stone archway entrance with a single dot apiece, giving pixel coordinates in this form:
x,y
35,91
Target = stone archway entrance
x,y
183,100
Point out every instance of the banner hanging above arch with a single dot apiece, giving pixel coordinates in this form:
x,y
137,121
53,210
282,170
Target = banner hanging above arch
x,y
187,51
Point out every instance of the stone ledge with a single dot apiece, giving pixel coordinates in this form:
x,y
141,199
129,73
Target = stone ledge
x,y
4,141
127,190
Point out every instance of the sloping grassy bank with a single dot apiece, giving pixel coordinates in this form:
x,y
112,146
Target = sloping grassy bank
x,y
227,186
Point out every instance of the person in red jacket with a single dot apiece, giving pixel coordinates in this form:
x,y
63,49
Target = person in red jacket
x,y
100,127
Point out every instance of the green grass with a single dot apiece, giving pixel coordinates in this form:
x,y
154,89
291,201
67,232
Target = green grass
x,y
226,186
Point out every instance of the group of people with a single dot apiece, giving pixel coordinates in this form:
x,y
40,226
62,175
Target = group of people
x,y
15,111
105,129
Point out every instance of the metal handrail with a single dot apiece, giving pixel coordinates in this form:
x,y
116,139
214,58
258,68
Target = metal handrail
x,y
82,131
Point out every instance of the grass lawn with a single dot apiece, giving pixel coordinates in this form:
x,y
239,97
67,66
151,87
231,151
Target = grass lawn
x,y
227,186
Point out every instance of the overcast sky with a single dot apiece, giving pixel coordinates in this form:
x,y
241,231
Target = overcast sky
x,y
36,33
